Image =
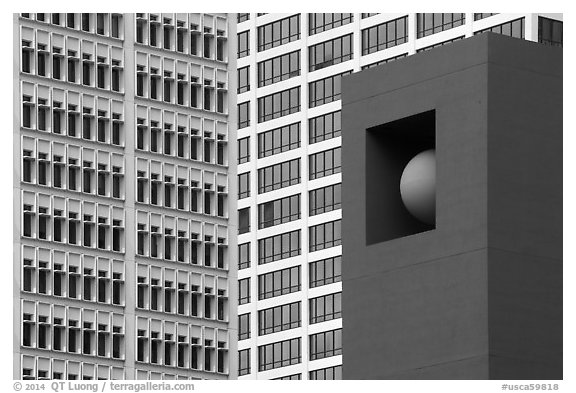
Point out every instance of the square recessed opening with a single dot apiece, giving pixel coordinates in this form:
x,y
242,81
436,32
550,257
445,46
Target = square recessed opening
x,y
389,148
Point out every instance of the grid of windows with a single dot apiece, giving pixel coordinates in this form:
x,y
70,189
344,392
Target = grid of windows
x,y
243,150
325,235
79,159
243,44
278,176
243,256
550,31
243,326
325,344
279,318
325,127
243,79
244,291
279,68
279,211
279,282
325,199
384,61
244,362
279,140
326,308
244,185
279,104
428,23
327,53
478,16
325,271
432,23
325,90
274,248
385,35
325,163
514,29
279,354
328,373
244,114
317,23
279,32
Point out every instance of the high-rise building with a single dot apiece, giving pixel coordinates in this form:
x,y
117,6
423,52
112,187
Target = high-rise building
x,y
121,197
289,162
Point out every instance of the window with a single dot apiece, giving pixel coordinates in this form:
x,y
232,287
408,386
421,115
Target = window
x,y
243,150
86,22
550,31
244,185
324,127
279,354
293,377
279,104
384,61
325,90
56,63
279,68
279,140
244,291
243,79
514,28
244,220
26,59
243,326
244,114
385,35
325,271
428,24
331,52
328,234
207,49
274,248
243,44
279,32
278,176
279,211
325,163
326,344
328,373
244,362
326,308
478,16
279,282
279,318
368,15
100,24
318,23
243,17
325,199
440,44
243,256
116,25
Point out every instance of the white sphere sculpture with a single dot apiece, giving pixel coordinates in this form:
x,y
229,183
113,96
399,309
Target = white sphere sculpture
x,y
418,186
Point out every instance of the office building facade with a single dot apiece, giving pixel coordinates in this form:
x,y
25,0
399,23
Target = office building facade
x,y
121,197
290,68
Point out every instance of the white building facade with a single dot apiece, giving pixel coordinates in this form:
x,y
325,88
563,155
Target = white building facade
x,y
289,138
